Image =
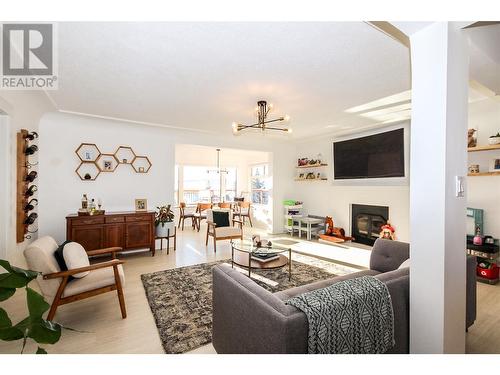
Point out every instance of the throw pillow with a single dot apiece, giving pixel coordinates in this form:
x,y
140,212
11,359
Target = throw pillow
x,y
221,218
405,264
58,254
75,256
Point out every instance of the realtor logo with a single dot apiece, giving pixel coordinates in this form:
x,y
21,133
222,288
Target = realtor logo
x,y
28,56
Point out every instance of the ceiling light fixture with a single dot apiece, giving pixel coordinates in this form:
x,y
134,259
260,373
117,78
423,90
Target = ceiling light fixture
x,y
262,110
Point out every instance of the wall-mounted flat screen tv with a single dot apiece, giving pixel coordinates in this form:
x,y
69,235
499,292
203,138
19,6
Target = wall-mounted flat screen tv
x,y
375,156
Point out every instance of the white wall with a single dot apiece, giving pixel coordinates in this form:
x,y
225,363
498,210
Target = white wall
x,y
484,191
61,189
24,109
5,186
334,199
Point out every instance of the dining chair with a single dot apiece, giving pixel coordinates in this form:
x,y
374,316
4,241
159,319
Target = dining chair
x,y
225,205
183,215
243,210
201,214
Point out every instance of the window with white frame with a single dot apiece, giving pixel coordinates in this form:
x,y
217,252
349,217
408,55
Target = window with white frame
x,y
259,180
202,184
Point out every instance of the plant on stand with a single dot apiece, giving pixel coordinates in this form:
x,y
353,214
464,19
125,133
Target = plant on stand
x,y
34,326
164,221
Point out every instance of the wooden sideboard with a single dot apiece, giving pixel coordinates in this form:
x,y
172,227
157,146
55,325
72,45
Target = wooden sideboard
x,y
129,230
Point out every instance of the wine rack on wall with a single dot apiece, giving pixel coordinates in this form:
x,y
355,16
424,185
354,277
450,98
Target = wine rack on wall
x,y
26,188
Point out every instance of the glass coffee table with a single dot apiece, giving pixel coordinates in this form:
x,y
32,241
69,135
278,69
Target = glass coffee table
x,y
243,250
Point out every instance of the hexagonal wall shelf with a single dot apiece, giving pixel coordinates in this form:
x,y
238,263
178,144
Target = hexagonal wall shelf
x,y
141,164
107,162
125,155
88,152
88,171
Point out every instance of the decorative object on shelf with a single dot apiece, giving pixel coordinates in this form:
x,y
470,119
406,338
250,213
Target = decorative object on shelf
x,y
87,171
495,165
474,168
478,238
124,155
302,162
164,221
262,111
310,176
25,191
141,164
141,205
107,162
471,139
494,139
34,326
88,152
387,231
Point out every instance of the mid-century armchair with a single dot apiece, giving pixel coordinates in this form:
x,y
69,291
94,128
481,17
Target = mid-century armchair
x,y
56,285
226,229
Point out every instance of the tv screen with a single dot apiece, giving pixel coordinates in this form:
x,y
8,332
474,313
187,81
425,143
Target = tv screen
x,y
376,156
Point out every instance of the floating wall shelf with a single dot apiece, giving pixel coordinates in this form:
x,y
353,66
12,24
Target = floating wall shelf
x,y
312,166
483,148
484,174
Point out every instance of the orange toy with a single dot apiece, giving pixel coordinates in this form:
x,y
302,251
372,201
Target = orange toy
x,y
333,233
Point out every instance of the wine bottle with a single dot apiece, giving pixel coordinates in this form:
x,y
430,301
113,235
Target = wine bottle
x,y
30,206
31,218
31,150
85,202
31,136
31,176
31,190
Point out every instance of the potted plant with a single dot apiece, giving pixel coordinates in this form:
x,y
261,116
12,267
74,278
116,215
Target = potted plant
x,y
494,139
34,326
164,221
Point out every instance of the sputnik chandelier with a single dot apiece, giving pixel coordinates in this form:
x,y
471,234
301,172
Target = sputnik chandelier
x,y
262,111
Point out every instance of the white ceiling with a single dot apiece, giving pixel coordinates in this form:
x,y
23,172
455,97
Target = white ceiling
x,y
207,75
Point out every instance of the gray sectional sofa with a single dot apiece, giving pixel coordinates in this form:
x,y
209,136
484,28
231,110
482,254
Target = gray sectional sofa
x,y
249,319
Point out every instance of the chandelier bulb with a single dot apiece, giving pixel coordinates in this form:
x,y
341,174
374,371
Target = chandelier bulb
x,y
289,130
286,118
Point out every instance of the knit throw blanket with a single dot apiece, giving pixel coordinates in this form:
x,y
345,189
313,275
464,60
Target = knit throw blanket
x,y
349,317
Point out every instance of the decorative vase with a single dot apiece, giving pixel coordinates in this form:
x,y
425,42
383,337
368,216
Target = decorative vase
x,y
162,230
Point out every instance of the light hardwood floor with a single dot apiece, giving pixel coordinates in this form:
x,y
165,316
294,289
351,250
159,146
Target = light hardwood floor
x,y
105,332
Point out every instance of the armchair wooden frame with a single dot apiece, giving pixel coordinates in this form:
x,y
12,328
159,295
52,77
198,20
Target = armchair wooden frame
x,y
212,232
59,300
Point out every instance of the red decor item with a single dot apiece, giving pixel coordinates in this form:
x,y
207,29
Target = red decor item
x,y
387,231
488,273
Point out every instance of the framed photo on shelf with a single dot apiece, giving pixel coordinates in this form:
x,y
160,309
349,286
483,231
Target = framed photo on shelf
x,y
141,205
495,165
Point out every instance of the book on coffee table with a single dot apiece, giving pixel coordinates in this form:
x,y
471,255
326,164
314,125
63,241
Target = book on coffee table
x,y
265,257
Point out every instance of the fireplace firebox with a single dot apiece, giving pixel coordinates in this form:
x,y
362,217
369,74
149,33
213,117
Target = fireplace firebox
x,y
366,222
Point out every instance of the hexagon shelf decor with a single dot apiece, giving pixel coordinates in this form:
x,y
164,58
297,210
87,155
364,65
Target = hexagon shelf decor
x,y
107,162
88,171
88,152
125,155
141,164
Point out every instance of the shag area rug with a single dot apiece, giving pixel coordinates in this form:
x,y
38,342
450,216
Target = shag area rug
x,y
181,298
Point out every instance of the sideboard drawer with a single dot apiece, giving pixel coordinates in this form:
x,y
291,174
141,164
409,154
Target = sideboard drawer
x,y
115,219
88,221
138,218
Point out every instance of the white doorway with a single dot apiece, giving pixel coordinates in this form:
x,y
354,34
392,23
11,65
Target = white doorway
x,y
5,184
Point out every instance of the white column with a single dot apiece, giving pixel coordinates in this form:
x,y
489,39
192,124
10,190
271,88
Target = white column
x,y
440,75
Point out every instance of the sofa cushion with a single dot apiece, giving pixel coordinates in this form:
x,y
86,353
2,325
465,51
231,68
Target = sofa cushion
x,y
75,256
96,279
292,292
396,274
387,255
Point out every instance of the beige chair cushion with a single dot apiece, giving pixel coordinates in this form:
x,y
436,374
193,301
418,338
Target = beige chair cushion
x,y
95,279
75,256
227,231
39,256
